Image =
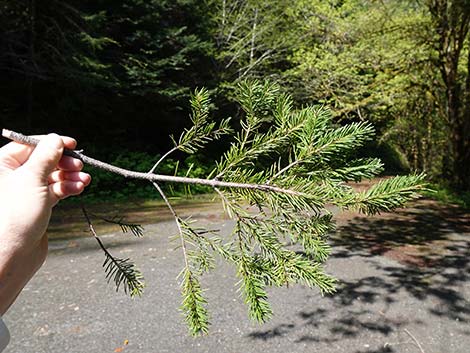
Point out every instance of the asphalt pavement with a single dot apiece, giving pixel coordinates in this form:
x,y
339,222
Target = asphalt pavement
x,y
383,304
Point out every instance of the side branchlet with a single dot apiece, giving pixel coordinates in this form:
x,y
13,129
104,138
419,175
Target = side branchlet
x,y
121,271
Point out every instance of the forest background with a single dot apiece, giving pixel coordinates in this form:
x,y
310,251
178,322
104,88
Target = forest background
x,y
118,75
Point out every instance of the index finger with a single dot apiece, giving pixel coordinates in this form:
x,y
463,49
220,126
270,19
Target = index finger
x,y
69,142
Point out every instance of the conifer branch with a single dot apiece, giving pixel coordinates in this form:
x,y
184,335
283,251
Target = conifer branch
x,y
136,229
121,271
275,181
28,140
202,130
193,301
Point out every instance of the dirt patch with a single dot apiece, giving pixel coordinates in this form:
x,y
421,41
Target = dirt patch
x,y
419,235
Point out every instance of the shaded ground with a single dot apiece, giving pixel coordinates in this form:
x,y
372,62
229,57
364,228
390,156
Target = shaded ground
x,y
405,287
68,222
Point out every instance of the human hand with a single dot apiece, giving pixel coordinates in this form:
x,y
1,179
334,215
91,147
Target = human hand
x,y
32,181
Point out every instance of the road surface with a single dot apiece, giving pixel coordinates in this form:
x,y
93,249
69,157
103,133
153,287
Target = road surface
x,y
405,287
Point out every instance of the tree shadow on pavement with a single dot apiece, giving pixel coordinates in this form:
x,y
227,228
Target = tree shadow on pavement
x,y
426,271
430,244
426,227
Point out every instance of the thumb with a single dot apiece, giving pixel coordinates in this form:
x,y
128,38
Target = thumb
x,y
45,157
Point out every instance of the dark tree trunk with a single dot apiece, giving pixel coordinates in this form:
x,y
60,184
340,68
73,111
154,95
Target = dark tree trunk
x,y
462,133
452,25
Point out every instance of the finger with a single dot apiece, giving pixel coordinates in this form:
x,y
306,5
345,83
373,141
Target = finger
x,y
60,175
69,142
66,188
45,157
70,164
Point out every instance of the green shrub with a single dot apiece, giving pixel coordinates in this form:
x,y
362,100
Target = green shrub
x,y
106,186
445,194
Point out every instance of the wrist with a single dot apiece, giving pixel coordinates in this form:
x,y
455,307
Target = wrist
x,y
17,238
17,267
11,243
10,283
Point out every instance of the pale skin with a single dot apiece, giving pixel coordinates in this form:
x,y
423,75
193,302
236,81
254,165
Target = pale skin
x,y
32,181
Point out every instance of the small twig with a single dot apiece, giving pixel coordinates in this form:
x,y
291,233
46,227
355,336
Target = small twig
x,y
415,340
162,158
176,217
20,138
294,163
92,230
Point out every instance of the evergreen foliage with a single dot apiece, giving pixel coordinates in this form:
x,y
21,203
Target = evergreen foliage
x,y
136,229
99,63
125,69
202,130
279,237
122,272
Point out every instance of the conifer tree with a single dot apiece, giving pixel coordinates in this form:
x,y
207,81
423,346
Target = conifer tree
x,y
276,181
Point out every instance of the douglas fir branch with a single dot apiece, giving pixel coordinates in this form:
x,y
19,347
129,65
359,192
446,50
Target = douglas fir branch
x,y
287,164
